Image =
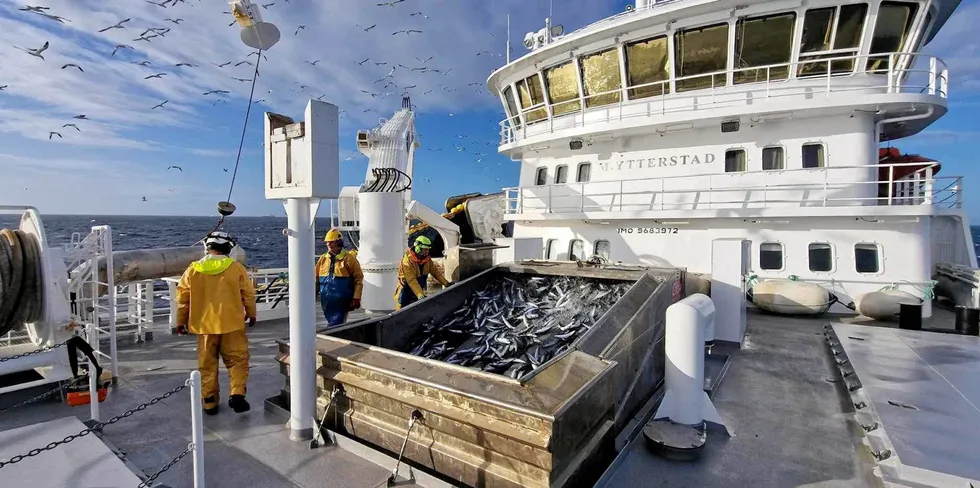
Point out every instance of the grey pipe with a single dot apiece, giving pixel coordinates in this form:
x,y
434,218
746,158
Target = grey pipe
x,y
149,264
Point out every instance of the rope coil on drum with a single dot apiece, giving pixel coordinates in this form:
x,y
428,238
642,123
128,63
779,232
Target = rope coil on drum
x,y
21,280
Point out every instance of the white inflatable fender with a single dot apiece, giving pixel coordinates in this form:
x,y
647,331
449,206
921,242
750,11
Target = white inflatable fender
x,y
789,297
883,304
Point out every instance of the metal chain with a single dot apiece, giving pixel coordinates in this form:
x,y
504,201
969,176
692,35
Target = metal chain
x,y
32,400
31,353
153,477
129,413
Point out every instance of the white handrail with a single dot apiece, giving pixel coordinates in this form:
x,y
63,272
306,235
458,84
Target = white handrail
x,y
899,67
916,188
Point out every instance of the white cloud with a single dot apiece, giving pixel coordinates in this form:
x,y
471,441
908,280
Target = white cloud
x,y
959,47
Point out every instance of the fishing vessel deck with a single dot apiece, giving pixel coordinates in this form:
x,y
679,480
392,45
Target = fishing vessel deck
x,y
793,426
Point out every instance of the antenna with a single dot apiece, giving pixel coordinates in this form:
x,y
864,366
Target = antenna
x,y
508,38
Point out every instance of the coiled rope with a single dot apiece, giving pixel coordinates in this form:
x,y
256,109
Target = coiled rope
x,y
21,300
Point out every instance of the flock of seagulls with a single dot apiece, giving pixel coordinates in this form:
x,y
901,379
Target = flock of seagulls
x,y
392,83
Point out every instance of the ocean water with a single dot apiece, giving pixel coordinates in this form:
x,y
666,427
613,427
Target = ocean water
x,y
261,237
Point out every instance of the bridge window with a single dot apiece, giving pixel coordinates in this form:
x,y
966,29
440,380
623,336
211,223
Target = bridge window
x,y
532,96
734,160
601,79
562,89
703,50
773,159
892,28
763,41
601,248
866,258
551,250
561,174
771,256
584,172
832,32
512,111
821,257
648,61
813,155
576,250
541,176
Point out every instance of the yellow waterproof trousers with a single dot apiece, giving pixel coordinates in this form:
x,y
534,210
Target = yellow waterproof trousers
x,y
233,349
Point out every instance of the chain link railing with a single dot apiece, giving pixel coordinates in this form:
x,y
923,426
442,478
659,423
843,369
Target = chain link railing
x,y
31,353
153,477
35,399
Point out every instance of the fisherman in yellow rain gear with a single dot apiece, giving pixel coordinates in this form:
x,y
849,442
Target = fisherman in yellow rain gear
x,y
413,273
214,297
340,280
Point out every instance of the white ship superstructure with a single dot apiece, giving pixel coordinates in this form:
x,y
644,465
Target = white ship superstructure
x,y
647,135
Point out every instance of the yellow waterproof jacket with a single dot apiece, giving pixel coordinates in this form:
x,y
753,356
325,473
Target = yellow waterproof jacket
x,y
214,296
411,269
346,268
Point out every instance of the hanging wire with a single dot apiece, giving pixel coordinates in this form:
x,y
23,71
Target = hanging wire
x,y
241,142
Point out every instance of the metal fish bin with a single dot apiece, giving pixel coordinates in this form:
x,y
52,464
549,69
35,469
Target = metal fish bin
x,y
523,374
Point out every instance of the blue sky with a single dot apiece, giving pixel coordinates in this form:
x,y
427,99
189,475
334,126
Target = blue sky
x,y
122,153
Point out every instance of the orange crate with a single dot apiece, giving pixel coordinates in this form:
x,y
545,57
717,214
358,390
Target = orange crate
x,y
76,398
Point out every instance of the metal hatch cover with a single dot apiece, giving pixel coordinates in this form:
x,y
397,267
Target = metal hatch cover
x,y
918,396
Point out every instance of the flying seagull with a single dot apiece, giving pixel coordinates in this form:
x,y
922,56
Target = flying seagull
x,y
35,9
162,4
36,52
406,32
143,63
122,46
243,80
189,65
222,65
365,60
52,134
223,92
313,63
390,3
160,105
256,54
175,21
142,38
73,65
419,13
178,168
372,26
244,62
302,27
423,61
157,75
71,125
81,117
3,87
117,25
267,5
61,20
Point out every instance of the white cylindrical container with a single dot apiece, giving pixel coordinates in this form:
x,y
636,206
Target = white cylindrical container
x,y
684,343
382,243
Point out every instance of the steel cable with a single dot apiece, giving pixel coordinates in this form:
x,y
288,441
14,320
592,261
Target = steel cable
x,y
20,279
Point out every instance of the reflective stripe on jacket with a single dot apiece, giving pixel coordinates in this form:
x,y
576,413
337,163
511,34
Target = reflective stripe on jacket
x,y
214,296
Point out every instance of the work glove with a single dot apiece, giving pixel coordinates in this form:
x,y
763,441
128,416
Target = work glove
x,y
421,296
181,330
355,304
251,321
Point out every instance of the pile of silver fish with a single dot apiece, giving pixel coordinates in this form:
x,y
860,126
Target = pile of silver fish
x,y
513,325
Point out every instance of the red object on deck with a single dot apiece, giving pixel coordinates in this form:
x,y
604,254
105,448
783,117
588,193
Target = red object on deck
x,y
891,155
76,398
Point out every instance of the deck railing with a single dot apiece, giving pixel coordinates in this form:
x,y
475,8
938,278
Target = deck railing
x,y
817,187
741,86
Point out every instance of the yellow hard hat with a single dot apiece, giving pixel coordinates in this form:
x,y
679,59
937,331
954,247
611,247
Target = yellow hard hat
x,y
333,235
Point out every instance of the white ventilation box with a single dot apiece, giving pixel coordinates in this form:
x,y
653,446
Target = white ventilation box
x,y
302,159
347,211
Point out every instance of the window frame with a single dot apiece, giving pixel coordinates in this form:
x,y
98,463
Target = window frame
x,y
571,256
691,79
782,256
538,173
782,159
549,245
595,248
833,257
745,159
561,170
872,64
879,259
615,95
745,70
813,58
578,172
639,93
575,102
533,108
823,153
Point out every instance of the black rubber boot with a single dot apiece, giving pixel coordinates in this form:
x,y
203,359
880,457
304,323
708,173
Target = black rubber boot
x,y
213,410
238,403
